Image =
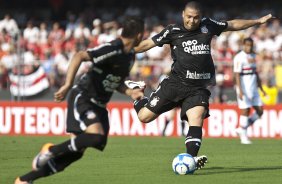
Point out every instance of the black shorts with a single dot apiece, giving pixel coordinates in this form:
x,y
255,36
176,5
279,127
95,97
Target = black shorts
x,y
171,94
82,112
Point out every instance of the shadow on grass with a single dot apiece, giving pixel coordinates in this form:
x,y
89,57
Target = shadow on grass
x,y
224,170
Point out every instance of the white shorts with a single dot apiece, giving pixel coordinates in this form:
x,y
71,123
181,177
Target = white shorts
x,y
248,102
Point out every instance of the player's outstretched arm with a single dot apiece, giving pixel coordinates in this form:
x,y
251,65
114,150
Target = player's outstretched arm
x,y
260,85
145,45
240,24
72,70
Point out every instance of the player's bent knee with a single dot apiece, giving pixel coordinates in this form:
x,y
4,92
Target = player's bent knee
x,y
99,142
145,119
146,116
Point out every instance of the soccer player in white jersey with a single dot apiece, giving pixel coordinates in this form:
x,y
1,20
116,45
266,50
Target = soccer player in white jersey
x,y
247,84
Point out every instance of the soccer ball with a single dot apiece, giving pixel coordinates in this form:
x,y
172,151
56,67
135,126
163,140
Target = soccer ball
x,y
183,164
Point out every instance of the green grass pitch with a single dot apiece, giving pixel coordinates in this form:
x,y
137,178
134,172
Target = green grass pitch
x,y
147,160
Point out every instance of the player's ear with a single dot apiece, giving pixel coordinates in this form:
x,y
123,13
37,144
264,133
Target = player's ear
x,y
183,14
140,36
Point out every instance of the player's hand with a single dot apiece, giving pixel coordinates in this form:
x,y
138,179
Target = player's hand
x,y
264,93
61,93
137,93
266,18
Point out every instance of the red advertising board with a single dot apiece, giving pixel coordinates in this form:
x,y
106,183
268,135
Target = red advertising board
x,y
48,118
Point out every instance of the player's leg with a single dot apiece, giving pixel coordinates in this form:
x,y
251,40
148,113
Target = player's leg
x,y
55,165
193,139
195,109
243,126
149,109
62,155
56,158
244,118
95,121
244,106
144,114
257,105
169,118
182,124
256,115
247,121
92,137
84,120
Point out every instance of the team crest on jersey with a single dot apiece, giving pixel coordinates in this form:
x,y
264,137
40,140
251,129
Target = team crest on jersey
x,y
154,102
204,29
90,115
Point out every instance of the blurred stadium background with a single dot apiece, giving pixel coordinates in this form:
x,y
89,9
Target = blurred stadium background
x,y
45,34
37,40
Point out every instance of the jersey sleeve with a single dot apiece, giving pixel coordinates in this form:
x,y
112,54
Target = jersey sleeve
x,y
164,37
102,53
237,64
218,26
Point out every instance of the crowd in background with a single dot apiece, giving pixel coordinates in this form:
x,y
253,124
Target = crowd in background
x,y
26,43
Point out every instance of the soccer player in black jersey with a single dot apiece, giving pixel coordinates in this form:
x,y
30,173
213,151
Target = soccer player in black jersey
x,y
87,117
191,72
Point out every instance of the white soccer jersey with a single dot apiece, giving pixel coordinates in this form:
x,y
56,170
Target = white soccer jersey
x,y
245,64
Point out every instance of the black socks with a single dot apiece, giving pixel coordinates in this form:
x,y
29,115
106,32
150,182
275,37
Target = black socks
x,y
193,140
139,104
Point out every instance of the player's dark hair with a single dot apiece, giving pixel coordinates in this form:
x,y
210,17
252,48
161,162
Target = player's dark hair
x,y
248,40
132,26
194,5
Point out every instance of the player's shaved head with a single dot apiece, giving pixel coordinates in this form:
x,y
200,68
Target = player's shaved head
x,y
194,5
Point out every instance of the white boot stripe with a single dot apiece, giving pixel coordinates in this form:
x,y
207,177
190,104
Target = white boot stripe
x,y
52,167
73,146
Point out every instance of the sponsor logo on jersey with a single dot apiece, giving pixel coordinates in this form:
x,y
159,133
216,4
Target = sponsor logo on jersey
x,y
90,114
192,47
111,82
154,102
176,28
106,56
163,36
195,75
204,29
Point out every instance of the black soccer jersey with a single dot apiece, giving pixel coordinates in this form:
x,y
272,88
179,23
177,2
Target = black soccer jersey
x,y
191,51
111,65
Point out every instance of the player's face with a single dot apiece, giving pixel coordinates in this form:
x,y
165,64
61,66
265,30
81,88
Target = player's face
x,y
248,46
191,18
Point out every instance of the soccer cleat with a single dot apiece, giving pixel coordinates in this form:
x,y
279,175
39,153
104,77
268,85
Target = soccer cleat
x,y
43,157
18,181
242,133
201,161
135,84
246,141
